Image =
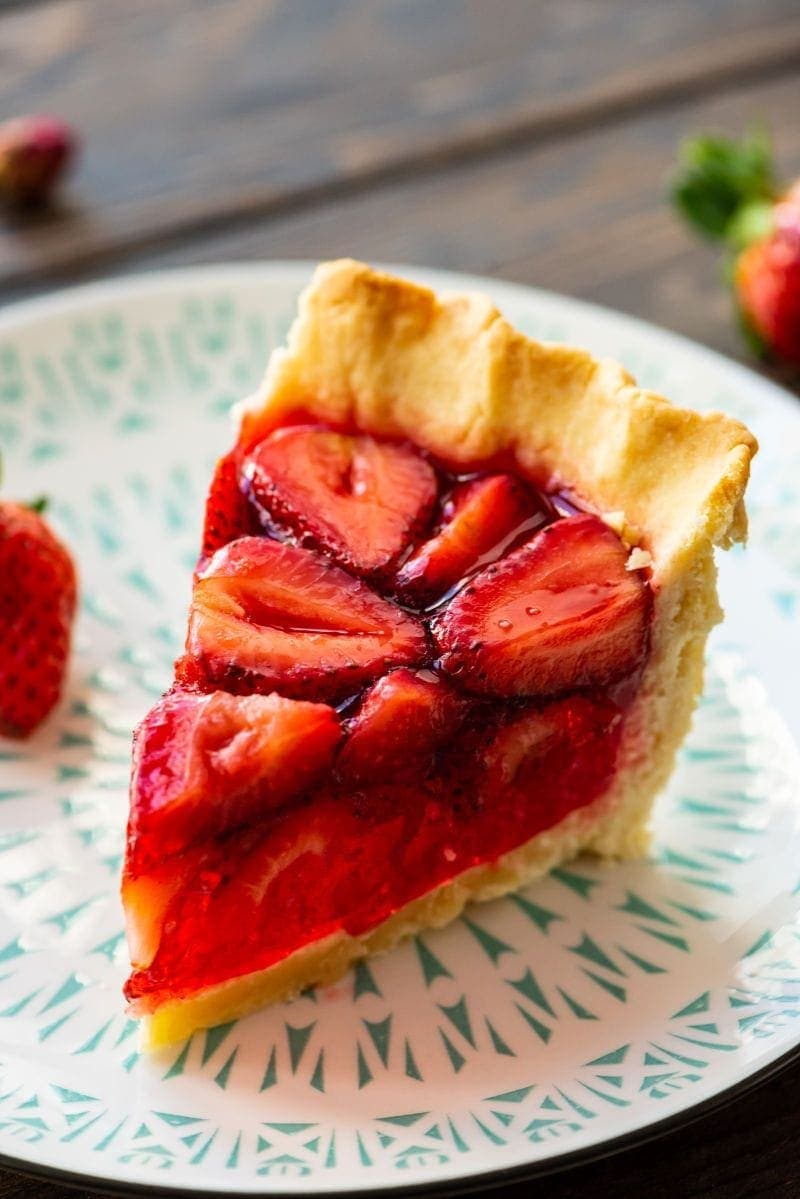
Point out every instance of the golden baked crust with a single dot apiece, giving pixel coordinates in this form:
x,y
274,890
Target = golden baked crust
x,y
449,373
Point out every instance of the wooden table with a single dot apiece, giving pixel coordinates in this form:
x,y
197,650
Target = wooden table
x,y
529,140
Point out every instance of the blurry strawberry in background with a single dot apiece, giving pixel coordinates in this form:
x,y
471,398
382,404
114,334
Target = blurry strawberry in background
x,y
38,593
727,190
35,154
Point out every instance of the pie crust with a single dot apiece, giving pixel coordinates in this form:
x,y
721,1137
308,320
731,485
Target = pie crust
x,y
449,373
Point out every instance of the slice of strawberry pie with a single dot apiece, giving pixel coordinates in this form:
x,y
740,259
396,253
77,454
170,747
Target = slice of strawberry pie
x,y
447,630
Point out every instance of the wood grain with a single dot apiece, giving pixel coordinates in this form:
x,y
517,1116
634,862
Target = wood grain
x,y
199,116
585,215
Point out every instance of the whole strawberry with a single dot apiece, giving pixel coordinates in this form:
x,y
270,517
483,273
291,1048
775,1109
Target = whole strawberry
x,y
727,190
35,152
37,606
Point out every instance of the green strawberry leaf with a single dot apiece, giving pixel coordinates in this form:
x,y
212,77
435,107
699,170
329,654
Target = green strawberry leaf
x,y
718,177
753,221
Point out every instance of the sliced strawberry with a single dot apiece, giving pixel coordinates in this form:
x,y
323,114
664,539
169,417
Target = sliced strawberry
x,y
359,500
146,899
524,741
480,518
205,763
267,616
559,613
402,721
557,754
535,731
229,513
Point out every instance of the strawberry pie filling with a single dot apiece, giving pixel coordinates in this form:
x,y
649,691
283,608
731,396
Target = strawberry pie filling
x,y
392,673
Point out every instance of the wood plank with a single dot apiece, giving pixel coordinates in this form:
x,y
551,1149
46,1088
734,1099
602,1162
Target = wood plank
x,y
5,5
587,215
198,116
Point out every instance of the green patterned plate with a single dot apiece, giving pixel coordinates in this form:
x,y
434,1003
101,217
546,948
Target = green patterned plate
x,y
536,1029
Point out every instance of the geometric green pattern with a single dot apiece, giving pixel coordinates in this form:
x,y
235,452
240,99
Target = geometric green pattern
x,y
594,1002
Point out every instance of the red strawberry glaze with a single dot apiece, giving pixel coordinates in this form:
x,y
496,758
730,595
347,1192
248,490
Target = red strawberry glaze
x,y
462,773
480,520
203,764
402,721
348,859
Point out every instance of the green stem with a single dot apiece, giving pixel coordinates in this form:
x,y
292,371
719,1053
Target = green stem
x,y
726,188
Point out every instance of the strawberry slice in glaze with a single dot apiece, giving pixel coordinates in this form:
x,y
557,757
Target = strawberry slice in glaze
x,y
269,616
562,612
203,764
521,745
228,513
359,500
403,719
479,519
553,754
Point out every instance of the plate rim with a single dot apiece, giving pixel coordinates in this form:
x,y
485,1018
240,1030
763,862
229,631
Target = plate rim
x,y
466,1184
60,302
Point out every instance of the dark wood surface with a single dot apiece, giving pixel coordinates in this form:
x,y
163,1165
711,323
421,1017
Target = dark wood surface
x,y
530,140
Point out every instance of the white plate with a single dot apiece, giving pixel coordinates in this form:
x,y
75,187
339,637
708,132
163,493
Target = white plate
x,y
537,1029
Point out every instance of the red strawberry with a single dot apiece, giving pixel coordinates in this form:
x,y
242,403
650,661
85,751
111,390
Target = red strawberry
x,y
403,719
727,190
560,612
35,152
146,899
267,616
37,606
767,282
359,500
480,518
228,512
205,763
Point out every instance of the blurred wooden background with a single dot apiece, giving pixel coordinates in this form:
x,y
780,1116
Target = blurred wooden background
x,y
529,139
